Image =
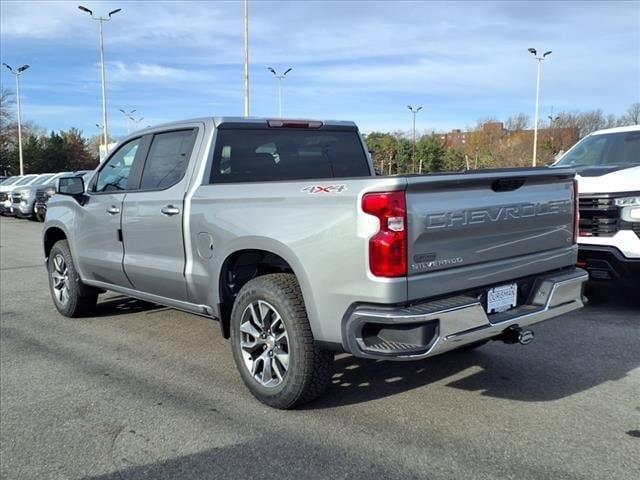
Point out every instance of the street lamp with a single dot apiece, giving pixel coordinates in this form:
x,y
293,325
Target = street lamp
x,y
414,111
280,79
101,20
246,58
129,117
17,72
136,121
534,52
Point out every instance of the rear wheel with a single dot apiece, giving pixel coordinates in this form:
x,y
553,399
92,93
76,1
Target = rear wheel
x,y
273,345
71,297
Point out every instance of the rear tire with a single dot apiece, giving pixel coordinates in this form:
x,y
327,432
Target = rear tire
x,y
39,217
273,345
71,297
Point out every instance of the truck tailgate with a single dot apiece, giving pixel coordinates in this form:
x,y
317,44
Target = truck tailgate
x,y
500,219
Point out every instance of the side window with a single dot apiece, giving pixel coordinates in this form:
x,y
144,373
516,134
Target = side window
x,y
167,160
114,176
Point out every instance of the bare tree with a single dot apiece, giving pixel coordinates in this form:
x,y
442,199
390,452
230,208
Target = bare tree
x,y
632,115
517,122
7,128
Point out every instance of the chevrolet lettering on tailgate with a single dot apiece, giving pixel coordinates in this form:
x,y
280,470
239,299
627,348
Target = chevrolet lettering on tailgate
x,y
476,216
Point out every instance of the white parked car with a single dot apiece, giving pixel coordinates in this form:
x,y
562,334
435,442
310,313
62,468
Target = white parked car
x,y
6,188
608,165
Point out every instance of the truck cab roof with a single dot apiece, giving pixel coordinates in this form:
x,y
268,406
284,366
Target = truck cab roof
x,y
256,122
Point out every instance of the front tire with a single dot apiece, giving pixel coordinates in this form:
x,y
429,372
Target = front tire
x,y
71,297
273,345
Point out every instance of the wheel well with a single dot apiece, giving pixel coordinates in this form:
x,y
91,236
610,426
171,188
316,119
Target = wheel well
x,y
51,236
237,270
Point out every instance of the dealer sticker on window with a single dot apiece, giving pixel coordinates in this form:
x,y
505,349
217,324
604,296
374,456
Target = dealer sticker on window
x,y
502,298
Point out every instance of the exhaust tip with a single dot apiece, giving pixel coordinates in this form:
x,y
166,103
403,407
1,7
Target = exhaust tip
x,y
526,337
516,334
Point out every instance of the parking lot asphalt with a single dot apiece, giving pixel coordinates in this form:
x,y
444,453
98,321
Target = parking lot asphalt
x,y
143,392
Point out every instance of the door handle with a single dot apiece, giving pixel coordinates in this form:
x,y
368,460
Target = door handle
x,y
112,210
170,210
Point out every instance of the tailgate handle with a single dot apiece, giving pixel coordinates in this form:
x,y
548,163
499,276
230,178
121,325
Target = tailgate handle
x,y
507,184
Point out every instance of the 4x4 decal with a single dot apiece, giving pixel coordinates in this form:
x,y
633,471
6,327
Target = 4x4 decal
x,y
320,189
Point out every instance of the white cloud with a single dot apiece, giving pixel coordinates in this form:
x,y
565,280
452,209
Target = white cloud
x,y
120,72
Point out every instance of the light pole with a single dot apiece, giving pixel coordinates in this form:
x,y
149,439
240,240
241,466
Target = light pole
x,y
414,111
535,121
17,72
246,58
129,117
136,121
101,20
280,80
552,124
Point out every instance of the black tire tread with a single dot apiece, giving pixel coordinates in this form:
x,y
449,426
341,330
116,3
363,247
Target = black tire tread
x,y
82,298
316,367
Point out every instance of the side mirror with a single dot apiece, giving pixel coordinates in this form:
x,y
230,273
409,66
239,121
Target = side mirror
x,y
72,186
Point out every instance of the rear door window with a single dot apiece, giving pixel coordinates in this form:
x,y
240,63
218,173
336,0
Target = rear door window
x,y
247,155
167,159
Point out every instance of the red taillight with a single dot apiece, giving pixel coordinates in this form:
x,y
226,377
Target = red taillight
x,y
388,247
576,211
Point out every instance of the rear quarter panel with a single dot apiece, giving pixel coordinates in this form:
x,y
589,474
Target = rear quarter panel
x,y
323,237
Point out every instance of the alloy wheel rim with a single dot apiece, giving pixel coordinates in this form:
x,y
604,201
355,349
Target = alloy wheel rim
x,y
60,277
264,343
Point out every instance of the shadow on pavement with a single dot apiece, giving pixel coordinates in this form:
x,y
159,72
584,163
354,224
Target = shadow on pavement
x,y
121,305
613,296
296,458
575,353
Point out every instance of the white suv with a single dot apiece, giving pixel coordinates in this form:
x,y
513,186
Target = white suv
x,y
608,166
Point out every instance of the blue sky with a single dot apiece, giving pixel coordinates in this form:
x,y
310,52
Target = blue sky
x,y
362,61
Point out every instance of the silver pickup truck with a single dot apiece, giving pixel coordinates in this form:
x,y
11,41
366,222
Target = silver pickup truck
x,y
281,231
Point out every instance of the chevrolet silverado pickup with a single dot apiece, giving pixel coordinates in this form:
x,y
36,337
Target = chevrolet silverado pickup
x,y
608,167
281,231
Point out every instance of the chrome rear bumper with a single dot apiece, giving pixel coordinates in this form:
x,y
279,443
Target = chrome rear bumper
x,y
431,328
